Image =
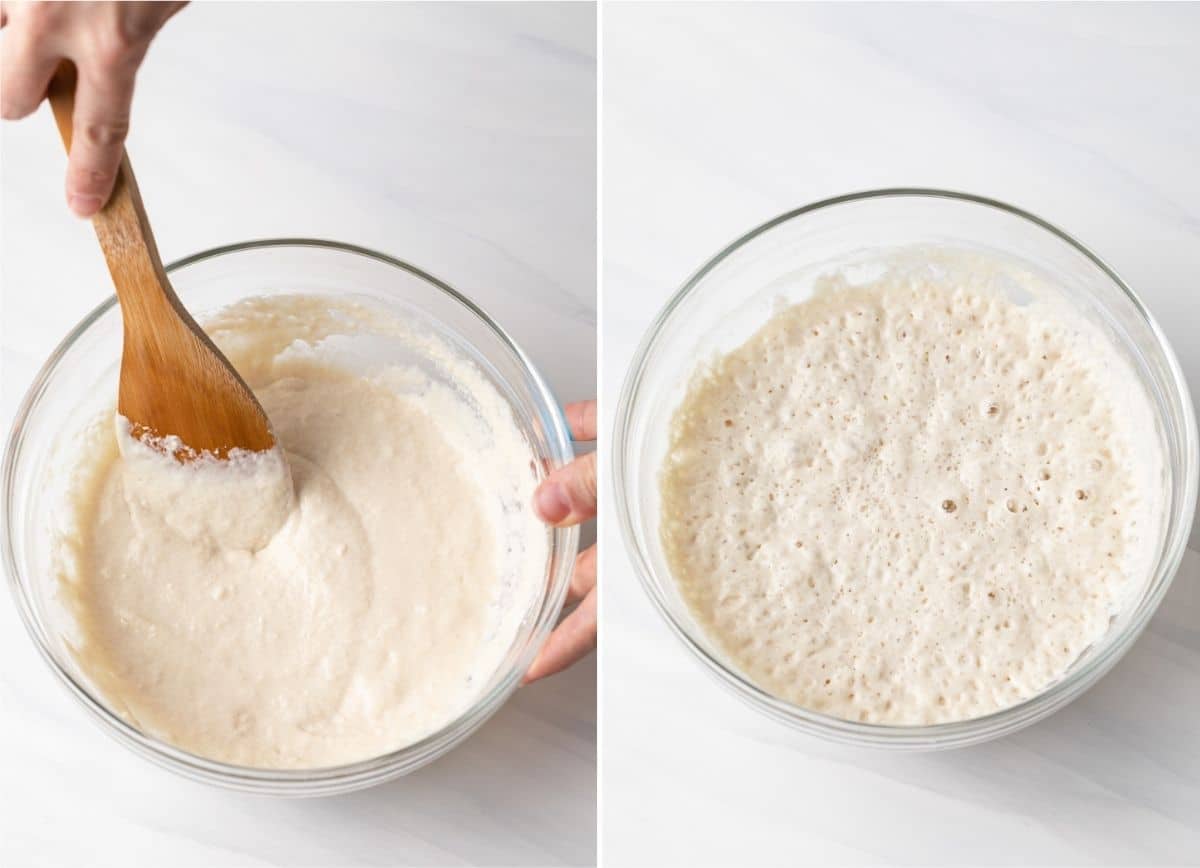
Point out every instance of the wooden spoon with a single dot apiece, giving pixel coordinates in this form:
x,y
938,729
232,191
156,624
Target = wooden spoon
x,y
174,381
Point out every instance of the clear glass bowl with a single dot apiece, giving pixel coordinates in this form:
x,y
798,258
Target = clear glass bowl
x,y
724,302
80,380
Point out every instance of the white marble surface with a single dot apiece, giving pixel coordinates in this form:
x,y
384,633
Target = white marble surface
x,y
716,118
459,137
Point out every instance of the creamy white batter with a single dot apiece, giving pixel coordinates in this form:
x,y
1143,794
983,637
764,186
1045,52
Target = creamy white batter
x,y
334,617
911,500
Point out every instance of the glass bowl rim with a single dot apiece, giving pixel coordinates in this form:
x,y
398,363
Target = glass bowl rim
x,y
331,779
929,736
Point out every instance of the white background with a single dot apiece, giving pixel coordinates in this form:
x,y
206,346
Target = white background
x,y
460,138
719,117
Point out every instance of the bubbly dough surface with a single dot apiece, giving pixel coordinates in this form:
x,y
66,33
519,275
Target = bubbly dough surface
x,y
336,619
910,501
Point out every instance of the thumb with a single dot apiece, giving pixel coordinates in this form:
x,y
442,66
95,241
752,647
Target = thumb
x,y
102,104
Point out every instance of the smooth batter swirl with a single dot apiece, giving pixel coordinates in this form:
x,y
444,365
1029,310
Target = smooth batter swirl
x,y
334,618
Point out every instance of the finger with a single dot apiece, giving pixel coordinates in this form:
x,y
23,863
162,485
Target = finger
x,y
25,71
583,577
140,28
568,495
581,417
101,121
571,640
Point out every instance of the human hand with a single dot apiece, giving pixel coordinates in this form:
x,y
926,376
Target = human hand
x,y
566,497
106,42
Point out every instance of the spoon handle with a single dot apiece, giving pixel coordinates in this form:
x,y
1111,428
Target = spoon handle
x,y
174,380
121,225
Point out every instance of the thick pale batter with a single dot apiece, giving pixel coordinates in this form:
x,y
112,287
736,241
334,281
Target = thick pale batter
x,y
332,619
910,500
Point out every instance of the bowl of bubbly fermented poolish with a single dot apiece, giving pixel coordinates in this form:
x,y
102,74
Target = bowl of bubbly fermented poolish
x,y
906,468
329,614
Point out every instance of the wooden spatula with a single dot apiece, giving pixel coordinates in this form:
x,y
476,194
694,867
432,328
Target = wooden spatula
x,y
174,381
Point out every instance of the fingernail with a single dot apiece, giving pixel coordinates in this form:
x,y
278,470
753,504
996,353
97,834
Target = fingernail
x,y
551,503
84,206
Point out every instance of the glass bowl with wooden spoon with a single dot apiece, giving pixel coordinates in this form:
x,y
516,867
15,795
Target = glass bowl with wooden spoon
x,y
81,378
